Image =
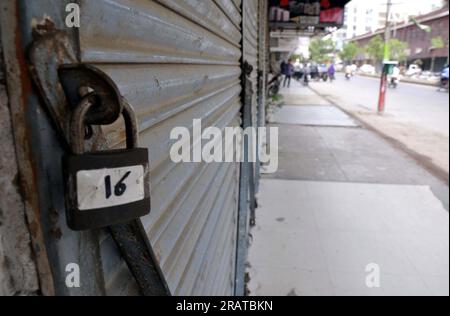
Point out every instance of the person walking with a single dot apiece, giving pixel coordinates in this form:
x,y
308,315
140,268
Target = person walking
x,y
288,75
331,73
283,67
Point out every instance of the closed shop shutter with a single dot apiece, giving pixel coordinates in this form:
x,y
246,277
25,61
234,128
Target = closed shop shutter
x,y
251,47
262,76
250,108
176,61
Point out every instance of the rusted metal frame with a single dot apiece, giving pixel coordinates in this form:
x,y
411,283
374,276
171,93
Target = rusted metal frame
x,y
52,55
17,264
263,22
135,248
256,166
252,189
246,169
38,149
244,186
258,139
19,90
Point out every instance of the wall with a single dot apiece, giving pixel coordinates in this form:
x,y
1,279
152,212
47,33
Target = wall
x,y
17,269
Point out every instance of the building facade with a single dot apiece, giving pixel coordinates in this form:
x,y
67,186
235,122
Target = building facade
x,y
420,40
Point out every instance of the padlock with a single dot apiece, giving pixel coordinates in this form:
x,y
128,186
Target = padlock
x,y
108,187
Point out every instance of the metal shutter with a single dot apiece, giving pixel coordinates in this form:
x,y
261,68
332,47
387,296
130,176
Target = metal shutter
x,y
262,76
251,47
176,61
250,108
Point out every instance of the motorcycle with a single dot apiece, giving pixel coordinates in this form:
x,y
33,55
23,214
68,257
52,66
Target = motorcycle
x,y
443,85
394,82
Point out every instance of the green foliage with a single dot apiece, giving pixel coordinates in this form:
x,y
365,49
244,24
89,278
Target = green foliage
x,y
437,42
320,50
277,98
349,52
294,57
299,57
398,50
375,49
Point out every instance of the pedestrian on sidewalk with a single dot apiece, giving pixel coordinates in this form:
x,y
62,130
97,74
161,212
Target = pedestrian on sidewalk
x,y
283,67
331,72
289,73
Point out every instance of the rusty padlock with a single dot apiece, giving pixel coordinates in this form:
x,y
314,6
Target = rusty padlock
x,y
107,187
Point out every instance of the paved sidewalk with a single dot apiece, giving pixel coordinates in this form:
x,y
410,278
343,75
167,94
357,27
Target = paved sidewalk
x,y
416,117
342,201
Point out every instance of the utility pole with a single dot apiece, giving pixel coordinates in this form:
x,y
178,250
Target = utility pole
x,y
387,56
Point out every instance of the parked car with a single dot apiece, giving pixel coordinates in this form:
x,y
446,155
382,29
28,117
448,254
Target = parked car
x,y
413,70
340,67
367,69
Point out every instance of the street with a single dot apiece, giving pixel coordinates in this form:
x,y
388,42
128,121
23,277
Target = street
x,y
416,116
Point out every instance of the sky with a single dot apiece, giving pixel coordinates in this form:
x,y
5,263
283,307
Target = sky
x,y
412,7
415,6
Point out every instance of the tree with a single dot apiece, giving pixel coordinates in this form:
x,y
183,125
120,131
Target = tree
x,y
298,57
375,49
349,52
436,43
398,50
320,50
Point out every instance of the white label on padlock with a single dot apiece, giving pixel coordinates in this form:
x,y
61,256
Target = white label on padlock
x,y
104,188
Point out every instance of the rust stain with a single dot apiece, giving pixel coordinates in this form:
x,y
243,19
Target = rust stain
x,y
28,185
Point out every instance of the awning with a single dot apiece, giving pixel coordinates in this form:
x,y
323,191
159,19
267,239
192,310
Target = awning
x,y
324,3
304,14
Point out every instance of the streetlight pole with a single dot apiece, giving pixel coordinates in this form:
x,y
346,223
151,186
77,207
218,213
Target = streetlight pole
x,y
387,53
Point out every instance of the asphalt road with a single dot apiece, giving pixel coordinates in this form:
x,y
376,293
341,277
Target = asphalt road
x,y
422,106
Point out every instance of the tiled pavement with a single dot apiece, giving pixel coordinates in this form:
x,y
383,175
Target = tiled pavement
x,y
343,201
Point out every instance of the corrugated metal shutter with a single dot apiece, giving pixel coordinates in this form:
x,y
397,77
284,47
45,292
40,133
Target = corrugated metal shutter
x,y
250,109
251,48
176,61
262,76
